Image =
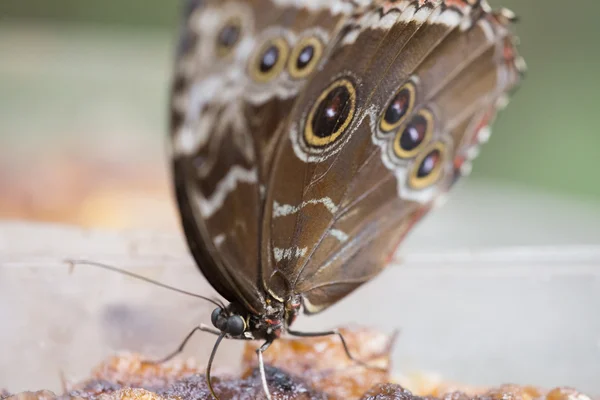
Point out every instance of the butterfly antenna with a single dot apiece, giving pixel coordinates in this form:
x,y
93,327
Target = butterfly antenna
x,y
209,366
73,263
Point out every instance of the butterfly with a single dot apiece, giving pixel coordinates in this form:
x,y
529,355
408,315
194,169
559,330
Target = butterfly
x,y
309,136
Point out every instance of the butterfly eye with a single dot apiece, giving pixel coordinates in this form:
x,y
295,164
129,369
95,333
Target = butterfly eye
x,y
270,60
398,108
428,167
305,57
415,134
215,315
219,319
229,36
331,114
235,325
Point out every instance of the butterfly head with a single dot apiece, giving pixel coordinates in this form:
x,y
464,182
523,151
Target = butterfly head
x,y
227,322
236,322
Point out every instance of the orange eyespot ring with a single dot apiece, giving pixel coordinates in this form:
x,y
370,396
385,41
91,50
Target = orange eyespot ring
x,y
398,108
428,166
229,36
269,60
416,134
331,114
304,57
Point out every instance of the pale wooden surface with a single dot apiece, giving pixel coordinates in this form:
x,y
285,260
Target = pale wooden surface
x,y
526,315
54,319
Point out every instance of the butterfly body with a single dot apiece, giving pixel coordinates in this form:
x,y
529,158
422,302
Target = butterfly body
x,y
309,136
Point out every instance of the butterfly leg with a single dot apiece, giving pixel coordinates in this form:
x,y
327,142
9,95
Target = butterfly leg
x,y
261,367
199,328
209,366
346,349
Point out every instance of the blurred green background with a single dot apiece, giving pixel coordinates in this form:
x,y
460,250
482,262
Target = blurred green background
x,y
96,75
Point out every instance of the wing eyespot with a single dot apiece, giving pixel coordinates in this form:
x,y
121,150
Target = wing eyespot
x,y
269,60
229,36
428,166
331,115
305,57
415,135
398,108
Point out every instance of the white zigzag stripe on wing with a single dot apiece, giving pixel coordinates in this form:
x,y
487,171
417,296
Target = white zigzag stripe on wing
x,y
339,235
282,210
334,6
288,254
208,206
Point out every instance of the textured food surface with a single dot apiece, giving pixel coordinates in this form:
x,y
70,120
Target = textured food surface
x,y
297,369
324,365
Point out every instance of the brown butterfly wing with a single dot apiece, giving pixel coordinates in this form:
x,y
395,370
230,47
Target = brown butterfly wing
x,y
233,90
378,134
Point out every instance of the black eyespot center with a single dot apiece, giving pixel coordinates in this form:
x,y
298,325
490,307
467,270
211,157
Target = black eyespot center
x,y
398,108
235,325
305,57
414,134
269,58
428,167
331,115
229,35
429,163
332,112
